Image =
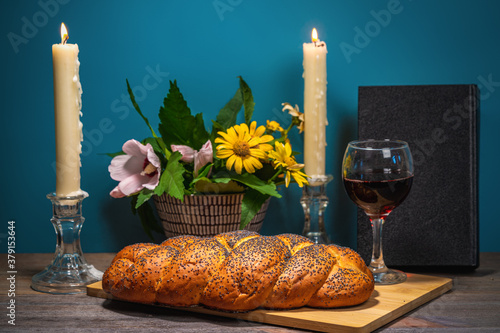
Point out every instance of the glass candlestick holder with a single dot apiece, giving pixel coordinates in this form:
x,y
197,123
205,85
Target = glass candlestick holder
x,y
69,272
314,202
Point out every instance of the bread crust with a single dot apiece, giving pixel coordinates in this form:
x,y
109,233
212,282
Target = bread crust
x,y
305,272
134,251
185,280
240,271
246,277
349,283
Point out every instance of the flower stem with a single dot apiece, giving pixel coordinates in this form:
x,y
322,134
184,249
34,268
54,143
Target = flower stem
x,y
275,175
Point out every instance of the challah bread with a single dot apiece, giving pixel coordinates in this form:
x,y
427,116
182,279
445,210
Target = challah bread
x,y
240,271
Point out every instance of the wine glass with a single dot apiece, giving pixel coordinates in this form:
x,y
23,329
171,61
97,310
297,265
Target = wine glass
x,y
377,176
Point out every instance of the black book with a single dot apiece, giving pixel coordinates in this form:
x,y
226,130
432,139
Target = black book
x,y
437,224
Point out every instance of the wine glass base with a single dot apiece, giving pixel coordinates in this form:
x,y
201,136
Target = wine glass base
x,y
389,276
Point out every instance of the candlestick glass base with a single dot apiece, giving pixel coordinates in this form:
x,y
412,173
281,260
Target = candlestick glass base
x,y
69,272
314,202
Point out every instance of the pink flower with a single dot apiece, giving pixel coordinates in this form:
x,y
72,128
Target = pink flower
x,y
139,168
200,158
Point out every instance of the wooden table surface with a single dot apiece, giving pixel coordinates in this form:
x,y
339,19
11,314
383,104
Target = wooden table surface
x,y
473,305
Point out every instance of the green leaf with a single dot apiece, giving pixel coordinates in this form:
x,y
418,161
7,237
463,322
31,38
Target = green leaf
x,y
203,173
221,180
216,127
250,206
115,154
177,125
248,103
154,143
257,184
143,196
199,132
171,180
227,115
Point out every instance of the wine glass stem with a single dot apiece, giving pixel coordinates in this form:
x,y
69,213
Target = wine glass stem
x,y
377,263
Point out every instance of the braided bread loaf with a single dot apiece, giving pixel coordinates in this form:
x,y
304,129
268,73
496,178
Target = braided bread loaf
x,y
240,271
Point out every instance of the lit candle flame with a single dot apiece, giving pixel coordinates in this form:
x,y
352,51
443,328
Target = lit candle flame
x,y
314,35
64,34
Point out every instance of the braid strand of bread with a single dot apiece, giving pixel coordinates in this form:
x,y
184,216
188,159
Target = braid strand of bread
x,y
239,271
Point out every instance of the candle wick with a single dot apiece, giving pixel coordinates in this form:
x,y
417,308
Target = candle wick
x,y
65,38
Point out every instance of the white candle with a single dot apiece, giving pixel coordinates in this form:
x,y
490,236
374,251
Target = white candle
x,y
315,119
67,110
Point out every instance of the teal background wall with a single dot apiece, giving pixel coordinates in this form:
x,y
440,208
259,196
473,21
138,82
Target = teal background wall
x,y
205,45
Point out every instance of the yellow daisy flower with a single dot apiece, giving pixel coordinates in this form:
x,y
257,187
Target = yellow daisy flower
x,y
282,157
274,126
257,132
242,150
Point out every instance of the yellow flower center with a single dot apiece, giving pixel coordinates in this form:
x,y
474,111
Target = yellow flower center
x,y
241,148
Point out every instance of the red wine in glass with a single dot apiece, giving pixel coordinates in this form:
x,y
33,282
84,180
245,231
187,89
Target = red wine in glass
x,y
378,197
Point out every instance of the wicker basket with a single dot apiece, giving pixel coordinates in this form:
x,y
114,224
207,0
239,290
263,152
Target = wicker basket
x,y
204,215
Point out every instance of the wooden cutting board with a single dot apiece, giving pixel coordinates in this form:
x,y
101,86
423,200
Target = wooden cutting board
x,y
386,304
